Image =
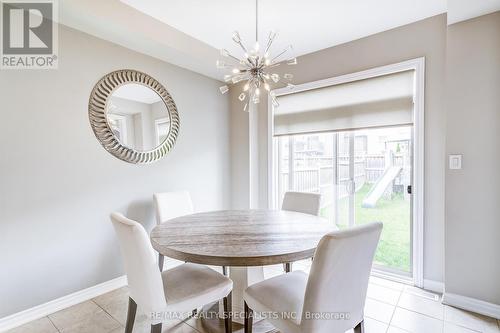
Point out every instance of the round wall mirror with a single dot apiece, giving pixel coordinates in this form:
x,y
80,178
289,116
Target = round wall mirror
x,y
138,117
133,116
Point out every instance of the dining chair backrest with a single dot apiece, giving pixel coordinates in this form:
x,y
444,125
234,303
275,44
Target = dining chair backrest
x,y
144,278
169,205
302,202
338,279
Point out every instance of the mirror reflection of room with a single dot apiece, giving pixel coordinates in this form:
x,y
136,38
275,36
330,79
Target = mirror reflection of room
x,y
138,117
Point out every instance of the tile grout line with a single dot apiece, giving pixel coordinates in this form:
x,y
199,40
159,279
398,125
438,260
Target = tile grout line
x,y
386,303
462,325
399,328
424,314
76,322
420,313
400,293
57,328
442,321
185,322
194,328
443,311
394,311
109,314
379,321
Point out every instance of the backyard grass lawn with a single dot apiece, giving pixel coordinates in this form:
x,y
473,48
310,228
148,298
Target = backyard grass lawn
x,y
394,247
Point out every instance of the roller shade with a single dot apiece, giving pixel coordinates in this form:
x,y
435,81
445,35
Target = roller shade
x,y
381,101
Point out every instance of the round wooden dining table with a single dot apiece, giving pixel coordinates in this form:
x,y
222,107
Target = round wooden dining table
x,y
243,240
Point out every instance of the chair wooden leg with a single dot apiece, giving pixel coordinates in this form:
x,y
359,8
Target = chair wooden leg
x,y
287,267
228,309
360,328
248,321
156,328
132,310
161,258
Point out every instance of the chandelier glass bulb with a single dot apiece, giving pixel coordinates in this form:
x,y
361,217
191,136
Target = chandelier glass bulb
x,y
255,67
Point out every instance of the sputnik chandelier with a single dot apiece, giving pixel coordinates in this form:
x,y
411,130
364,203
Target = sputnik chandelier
x,y
255,67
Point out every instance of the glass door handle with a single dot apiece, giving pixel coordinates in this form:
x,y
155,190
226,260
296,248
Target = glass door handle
x,y
351,187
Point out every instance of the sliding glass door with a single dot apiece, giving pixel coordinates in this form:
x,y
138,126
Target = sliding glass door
x,y
363,176
383,182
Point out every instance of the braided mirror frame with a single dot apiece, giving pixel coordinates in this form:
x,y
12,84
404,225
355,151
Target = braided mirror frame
x,y
97,116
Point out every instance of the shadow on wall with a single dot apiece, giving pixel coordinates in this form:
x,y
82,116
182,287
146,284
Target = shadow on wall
x,y
142,211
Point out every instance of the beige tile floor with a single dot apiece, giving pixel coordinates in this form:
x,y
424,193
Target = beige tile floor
x,y
390,308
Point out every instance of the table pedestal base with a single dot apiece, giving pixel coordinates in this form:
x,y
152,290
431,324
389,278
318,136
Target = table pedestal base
x,y
242,278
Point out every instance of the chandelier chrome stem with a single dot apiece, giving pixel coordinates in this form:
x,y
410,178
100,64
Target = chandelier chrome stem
x,y
256,21
255,67
279,55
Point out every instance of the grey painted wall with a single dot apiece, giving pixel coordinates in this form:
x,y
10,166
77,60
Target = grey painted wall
x,y
58,186
472,246
425,38
240,152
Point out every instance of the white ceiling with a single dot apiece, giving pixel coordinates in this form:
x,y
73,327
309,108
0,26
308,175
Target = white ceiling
x,y
308,25
461,10
188,33
116,22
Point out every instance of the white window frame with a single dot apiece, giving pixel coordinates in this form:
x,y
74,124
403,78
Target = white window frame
x,y
418,65
158,122
122,120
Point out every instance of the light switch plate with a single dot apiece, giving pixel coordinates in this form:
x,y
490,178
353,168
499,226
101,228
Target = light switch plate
x,y
455,162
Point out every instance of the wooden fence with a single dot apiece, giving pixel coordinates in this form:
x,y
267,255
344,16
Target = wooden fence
x,y
316,174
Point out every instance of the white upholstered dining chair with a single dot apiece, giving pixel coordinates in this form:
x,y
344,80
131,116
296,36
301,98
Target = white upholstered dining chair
x,y
302,202
169,205
174,291
331,299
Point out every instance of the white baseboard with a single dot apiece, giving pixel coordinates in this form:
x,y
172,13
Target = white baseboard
x,y
435,286
42,310
472,304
